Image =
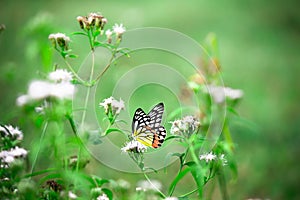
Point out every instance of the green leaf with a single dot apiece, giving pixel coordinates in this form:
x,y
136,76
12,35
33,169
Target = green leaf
x,y
198,176
180,175
108,192
72,56
108,131
174,137
79,33
39,172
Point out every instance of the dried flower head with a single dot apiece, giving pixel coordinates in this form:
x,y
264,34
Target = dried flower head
x,y
92,21
59,39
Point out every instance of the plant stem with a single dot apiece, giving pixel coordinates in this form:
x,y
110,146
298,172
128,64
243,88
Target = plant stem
x,y
161,194
222,183
74,73
40,144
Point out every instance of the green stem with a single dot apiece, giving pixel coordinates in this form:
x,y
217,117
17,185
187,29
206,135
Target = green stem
x,y
161,194
222,183
189,193
40,144
74,73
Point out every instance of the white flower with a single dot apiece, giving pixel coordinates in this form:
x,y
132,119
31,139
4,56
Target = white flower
x,y
134,146
102,197
123,184
39,90
22,100
219,93
152,185
9,130
187,124
18,152
108,33
115,105
9,156
171,198
62,90
119,29
57,36
72,195
208,157
60,75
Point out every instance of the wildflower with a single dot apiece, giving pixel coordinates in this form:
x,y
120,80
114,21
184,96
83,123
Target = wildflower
x,y
110,104
123,184
186,125
119,30
108,34
59,39
60,75
10,155
82,21
9,130
208,157
219,93
72,195
103,197
93,20
134,146
39,90
22,100
150,185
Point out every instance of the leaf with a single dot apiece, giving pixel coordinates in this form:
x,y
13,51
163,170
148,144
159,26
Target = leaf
x,y
39,172
108,192
198,176
173,137
180,175
99,181
79,33
72,56
108,131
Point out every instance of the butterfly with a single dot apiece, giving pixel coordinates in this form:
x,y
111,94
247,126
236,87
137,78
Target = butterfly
x,y
147,128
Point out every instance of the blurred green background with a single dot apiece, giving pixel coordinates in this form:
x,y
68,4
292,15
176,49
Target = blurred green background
x,y
259,45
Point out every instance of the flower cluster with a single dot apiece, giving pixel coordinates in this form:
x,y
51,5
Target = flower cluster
x,y
103,197
119,30
134,146
59,39
111,105
220,93
209,157
58,86
14,133
92,21
185,126
10,137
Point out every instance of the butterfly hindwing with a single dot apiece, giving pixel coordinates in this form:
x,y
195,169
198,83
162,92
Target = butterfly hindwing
x,y
147,129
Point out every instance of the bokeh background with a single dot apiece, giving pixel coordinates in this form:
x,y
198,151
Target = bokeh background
x,y
259,47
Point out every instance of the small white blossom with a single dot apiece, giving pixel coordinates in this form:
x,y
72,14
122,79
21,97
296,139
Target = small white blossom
x,y
14,132
10,155
152,185
108,33
39,90
22,100
62,90
134,146
60,75
115,105
119,29
72,195
123,184
138,189
103,197
208,157
219,93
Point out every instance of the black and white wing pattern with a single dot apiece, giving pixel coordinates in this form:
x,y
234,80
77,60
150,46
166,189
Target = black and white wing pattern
x,y
147,128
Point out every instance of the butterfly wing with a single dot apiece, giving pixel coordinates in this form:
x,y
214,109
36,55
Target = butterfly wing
x,y
155,120
140,128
